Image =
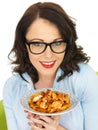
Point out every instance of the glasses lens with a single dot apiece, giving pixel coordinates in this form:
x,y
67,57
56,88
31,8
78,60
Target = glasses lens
x,y
40,47
58,46
37,47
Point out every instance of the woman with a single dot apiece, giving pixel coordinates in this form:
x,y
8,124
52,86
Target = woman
x,y
46,56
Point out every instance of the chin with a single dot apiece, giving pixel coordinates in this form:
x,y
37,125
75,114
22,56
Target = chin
x,y
49,72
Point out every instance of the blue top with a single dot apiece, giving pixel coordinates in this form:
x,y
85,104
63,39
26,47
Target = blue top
x,y
83,84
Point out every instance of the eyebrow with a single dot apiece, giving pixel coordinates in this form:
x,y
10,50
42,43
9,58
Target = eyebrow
x,y
34,39
43,40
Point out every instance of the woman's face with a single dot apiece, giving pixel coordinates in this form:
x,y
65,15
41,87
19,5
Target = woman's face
x,y
47,62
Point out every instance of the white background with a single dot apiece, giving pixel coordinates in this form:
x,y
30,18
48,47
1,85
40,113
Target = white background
x,y
84,11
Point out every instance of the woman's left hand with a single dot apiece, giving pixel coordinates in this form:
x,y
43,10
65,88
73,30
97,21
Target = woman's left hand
x,y
43,122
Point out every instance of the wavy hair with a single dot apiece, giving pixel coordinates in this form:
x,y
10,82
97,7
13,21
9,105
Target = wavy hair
x,y
55,14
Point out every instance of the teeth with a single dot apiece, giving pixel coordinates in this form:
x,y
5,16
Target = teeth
x,y
48,63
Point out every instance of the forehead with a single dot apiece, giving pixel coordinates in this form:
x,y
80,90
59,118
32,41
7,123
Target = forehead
x,y
43,29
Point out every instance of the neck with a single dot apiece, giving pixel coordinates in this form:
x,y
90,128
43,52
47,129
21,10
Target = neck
x,y
45,82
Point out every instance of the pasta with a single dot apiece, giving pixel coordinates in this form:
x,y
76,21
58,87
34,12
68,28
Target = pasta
x,y
49,101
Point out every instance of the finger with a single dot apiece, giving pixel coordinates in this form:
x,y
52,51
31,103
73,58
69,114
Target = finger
x,y
34,127
46,119
26,111
53,120
39,125
29,115
35,120
55,117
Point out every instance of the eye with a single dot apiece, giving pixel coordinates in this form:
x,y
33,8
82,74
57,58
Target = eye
x,y
37,43
57,43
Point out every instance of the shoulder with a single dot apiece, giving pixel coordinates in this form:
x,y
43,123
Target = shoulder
x,y
86,74
15,78
85,81
84,67
85,71
13,84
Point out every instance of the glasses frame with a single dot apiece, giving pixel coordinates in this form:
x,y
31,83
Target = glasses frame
x,y
46,45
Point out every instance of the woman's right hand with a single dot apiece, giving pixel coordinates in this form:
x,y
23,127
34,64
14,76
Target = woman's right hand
x,y
38,122
31,115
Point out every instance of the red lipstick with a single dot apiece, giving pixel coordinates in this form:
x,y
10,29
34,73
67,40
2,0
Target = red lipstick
x,y
48,65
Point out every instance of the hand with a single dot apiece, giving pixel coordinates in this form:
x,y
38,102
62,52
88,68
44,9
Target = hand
x,y
31,115
43,122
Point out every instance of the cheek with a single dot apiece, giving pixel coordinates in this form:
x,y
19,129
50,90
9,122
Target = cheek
x,y
59,60
32,59
61,57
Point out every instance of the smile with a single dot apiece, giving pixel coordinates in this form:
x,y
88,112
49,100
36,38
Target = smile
x,y
48,64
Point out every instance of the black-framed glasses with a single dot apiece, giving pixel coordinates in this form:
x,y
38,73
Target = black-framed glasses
x,y
39,47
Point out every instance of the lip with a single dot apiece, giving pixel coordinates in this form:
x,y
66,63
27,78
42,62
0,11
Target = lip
x,y
48,64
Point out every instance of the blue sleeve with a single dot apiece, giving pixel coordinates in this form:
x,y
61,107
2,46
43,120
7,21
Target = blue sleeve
x,y
89,98
8,104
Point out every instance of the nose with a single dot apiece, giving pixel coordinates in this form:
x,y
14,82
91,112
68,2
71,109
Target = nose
x,y
48,52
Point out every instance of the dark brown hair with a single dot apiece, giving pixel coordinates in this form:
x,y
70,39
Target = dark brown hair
x,y
55,14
